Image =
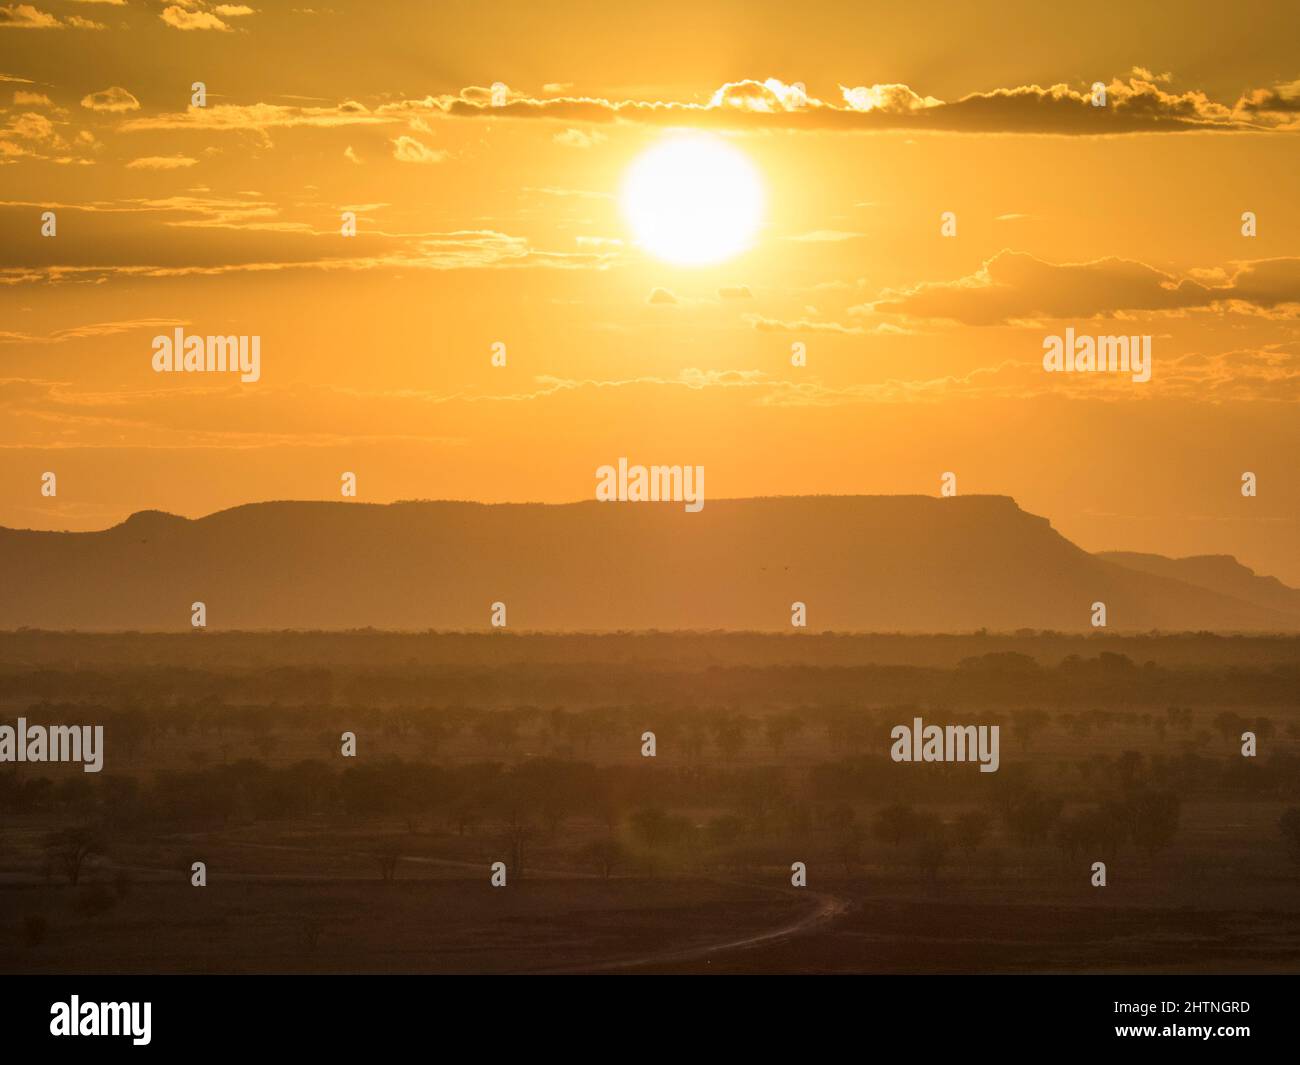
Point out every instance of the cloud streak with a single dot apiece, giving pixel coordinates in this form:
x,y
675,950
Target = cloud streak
x,y
1133,105
1014,286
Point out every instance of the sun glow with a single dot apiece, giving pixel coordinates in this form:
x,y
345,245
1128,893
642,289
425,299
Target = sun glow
x,y
693,200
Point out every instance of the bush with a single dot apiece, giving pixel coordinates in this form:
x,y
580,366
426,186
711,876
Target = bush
x,y
35,930
1289,826
94,900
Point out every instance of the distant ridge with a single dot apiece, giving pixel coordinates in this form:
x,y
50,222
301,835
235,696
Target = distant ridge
x,y
860,563
1220,573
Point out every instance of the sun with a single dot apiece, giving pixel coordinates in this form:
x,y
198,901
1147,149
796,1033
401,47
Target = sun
x,y
693,200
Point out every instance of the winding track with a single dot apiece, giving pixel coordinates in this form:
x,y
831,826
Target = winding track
x,y
827,908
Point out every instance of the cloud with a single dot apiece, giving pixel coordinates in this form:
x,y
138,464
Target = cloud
x,y
409,150
1014,286
1279,100
32,99
768,97
351,156
31,127
161,162
218,212
892,99
26,17
735,292
802,325
576,138
234,10
60,414
257,118
455,250
114,99
767,390
181,18
661,296
1133,105
693,379
94,329
1270,374
29,17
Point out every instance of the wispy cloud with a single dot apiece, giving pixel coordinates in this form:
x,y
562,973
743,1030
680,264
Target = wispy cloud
x,y
1014,286
30,17
1133,105
161,162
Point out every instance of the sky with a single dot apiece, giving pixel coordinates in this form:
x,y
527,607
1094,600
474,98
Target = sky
x,y
499,219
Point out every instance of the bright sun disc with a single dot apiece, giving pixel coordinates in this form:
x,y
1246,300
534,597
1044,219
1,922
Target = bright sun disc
x,y
693,200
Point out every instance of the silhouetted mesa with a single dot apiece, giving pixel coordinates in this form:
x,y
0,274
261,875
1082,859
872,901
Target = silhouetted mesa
x,y
860,563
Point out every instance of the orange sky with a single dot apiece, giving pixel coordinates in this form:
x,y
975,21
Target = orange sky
x,y
479,224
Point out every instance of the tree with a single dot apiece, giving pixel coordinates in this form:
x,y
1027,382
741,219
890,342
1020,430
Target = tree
x,y
1130,766
1110,826
71,848
1028,724
1154,820
519,835
1031,817
931,853
781,728
653,826
658,829
466,816
1289,826
310,932
387,856
893,824
605,854
971,830
35,929
730,737
1074,833
760,794
724,830
1230,726
848,845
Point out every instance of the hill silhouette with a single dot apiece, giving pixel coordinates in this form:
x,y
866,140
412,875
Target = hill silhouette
x,y
1220,573
860,563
